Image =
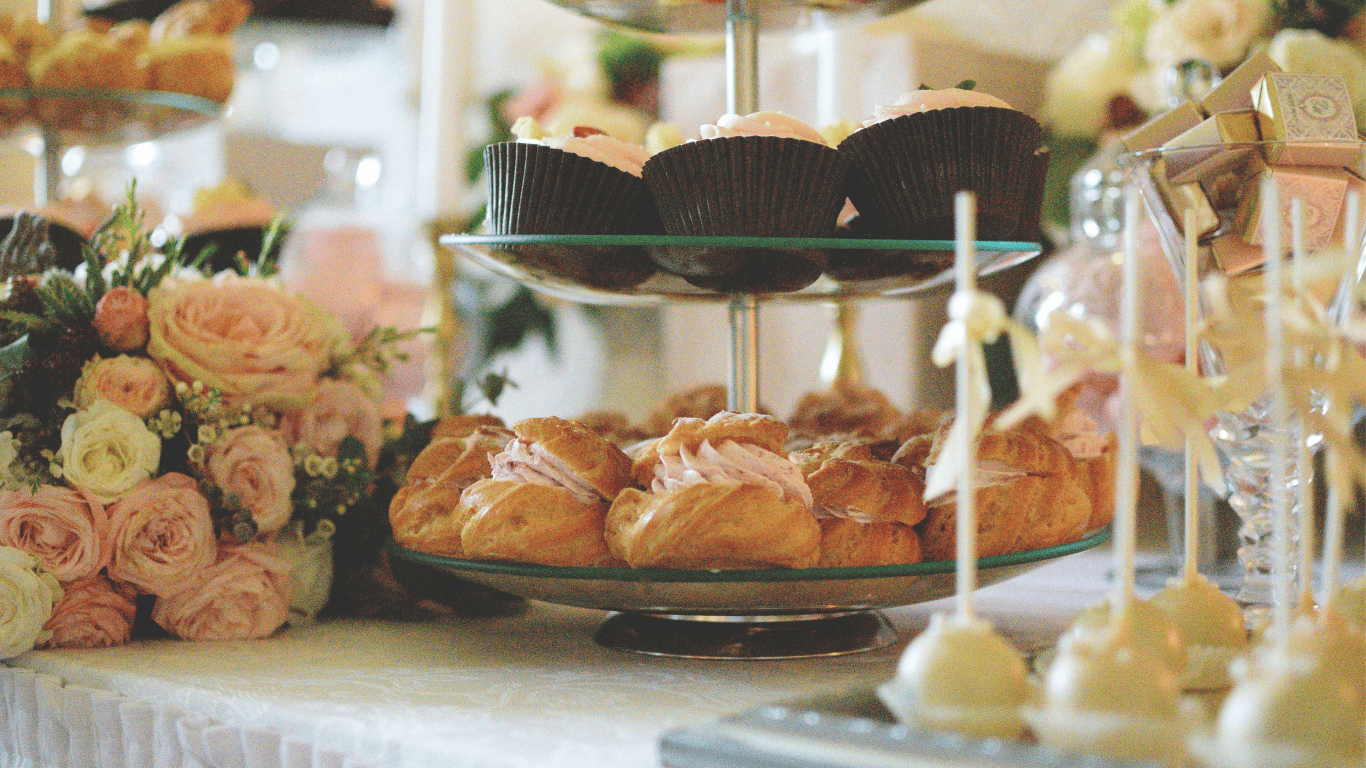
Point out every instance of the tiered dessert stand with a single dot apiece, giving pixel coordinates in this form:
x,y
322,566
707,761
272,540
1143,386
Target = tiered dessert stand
x,y
734,613
65,117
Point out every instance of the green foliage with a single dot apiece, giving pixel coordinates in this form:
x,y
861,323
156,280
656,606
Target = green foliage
x,y
490,387
627,62
1327,16
1068,155
329,486
520,316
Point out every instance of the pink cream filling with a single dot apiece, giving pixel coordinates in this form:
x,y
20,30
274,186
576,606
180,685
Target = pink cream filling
x,y
600,147
731,462
524,461
924,101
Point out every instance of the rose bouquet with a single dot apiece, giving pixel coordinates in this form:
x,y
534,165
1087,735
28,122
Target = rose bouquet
x,y
176,448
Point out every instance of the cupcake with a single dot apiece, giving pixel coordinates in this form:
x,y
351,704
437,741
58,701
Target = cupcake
x,y
587,183
913,156
762,175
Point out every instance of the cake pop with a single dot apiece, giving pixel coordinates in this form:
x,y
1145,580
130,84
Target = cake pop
x,y
1113,687
1291,712
959,675
1210,622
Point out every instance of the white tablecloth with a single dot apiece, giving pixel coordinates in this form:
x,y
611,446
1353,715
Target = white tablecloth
x,y
514,692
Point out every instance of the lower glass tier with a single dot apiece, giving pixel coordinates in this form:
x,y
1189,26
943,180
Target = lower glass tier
x,y
709,16
87,116
648,269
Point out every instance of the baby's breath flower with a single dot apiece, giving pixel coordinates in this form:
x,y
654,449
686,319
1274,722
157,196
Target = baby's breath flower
x,y
329,468
313,465
207,433
181,388
195,454
198,387
341,509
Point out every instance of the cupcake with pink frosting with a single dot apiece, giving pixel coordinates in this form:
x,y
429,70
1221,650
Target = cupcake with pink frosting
x,y
585,183
912,156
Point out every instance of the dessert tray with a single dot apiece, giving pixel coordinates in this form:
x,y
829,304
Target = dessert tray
x,y
708,16
88,116
651,269
727,613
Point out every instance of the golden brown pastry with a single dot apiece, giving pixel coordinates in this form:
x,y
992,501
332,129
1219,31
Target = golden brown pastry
x,y
1095,452
12,75
712,525
459,461
198,65
846,481
424,518
532,523
563,452
87,59
132,35
844,409
30,38
1027,484
848,543
613,425
701,402
462,424
200,17
915,424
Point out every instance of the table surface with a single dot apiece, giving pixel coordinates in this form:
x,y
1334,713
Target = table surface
x,y
527,690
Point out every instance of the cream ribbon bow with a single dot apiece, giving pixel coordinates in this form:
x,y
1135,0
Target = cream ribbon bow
x,y
975,318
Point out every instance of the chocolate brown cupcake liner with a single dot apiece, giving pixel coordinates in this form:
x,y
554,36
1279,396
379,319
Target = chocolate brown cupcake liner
x,y
908,169
535,189
749,186
1030,226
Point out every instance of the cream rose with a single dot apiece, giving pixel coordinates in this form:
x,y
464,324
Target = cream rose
x,y
27,594
135,384
1217,31
1307,50
244,336
92,613
107,450
162,534
244,595
335,410
253,465
1078,90
66,530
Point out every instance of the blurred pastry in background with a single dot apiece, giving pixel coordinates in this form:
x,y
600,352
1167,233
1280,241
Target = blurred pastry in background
x,y
198,65
847,408
200,17
231,219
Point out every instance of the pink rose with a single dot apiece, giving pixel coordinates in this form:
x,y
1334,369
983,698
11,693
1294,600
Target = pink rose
x,y
337,409
254,465
244,595
65,530
135,384
121,319
93,613
163,534
255,343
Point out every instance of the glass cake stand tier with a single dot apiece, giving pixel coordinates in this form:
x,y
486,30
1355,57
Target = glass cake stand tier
x,y
750,613
709,16
651,269
94,117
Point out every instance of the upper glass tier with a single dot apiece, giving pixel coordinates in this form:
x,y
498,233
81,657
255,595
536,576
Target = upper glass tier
x,y
648,269
709,16
92,117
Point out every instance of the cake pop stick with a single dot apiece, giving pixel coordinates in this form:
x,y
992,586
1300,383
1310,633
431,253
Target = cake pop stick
x,y
1126,474
965,380
1279,418
1192,507
1303,488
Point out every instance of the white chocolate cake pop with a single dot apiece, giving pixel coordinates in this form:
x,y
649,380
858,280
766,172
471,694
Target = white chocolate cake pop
x,y
1146,626
1110,695
1327,640
1350,603
1211,627
1291,712
959,675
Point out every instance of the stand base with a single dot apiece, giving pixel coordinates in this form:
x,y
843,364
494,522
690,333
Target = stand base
x,y
746,637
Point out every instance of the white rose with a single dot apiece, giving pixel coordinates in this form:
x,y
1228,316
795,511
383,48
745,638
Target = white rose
x,y
1217,31
311,576
1079,89
1308,50
107,451
27,594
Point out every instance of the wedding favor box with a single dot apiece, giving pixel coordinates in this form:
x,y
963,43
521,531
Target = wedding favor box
x,y
1211,157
